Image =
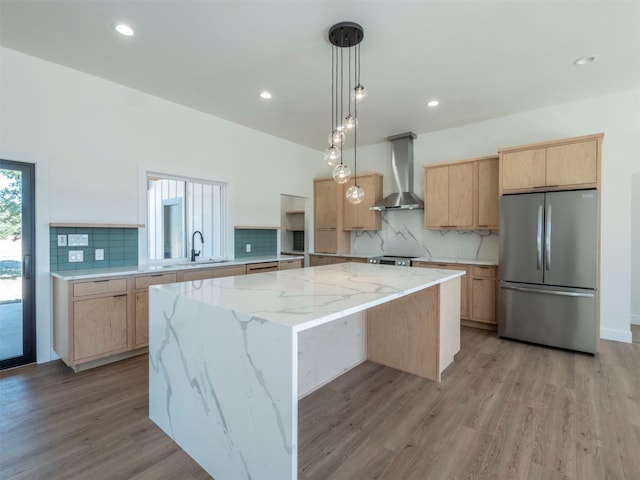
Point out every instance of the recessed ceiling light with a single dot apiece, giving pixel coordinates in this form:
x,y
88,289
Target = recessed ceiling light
x,y
123,29
586,59
266,95
433,103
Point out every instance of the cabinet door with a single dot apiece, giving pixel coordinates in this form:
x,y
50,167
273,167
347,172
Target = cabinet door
x,y
488,195
325,203
572,164
100,326
359,217
524,169
352,212
461,195
142,318
483,300
325,241
436,201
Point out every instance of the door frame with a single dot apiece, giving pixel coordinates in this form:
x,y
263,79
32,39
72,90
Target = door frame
x,y
28,264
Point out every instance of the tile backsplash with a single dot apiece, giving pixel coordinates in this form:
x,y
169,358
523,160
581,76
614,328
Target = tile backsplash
x,y
120,247
263,242
403,233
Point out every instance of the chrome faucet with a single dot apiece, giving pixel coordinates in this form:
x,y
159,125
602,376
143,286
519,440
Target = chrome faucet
x,y
193,250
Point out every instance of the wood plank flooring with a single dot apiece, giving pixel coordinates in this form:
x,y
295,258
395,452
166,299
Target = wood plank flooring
x,y
504,410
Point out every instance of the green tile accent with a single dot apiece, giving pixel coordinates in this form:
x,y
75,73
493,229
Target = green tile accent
x,y
263,242
120,248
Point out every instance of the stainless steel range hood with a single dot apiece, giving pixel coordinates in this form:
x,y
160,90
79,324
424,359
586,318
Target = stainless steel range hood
x,y
403,197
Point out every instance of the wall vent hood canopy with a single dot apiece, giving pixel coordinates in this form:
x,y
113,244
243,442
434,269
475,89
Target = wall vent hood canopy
x,y
403,197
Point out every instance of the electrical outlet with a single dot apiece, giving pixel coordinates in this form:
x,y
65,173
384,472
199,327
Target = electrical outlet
x,y
75,256
78,239
62,240
99,255
247,248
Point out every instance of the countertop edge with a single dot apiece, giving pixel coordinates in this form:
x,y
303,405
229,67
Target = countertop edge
x,y
145,269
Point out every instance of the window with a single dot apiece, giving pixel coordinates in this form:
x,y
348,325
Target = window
x,y
176,208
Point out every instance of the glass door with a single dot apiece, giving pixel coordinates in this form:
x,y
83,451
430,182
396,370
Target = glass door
x,y
17,264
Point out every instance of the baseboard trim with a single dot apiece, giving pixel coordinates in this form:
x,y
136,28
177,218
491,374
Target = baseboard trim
x,y
615,335
635,319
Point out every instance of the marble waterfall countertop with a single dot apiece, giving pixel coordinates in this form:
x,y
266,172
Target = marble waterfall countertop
x,y
230,357
165,267
308,297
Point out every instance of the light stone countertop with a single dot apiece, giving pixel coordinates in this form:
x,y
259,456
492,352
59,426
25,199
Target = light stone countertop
x,y
309,297
468,261
156,268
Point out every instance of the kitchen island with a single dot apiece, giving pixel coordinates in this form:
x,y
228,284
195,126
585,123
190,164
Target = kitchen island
x,y
229,358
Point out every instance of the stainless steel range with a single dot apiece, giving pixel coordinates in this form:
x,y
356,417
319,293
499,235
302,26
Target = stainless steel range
x,y
392,260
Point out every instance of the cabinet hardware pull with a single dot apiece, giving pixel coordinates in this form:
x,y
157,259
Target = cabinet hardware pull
x,y
100,281
121,295
157,274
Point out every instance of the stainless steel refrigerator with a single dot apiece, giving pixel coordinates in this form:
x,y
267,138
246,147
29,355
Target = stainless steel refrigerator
x,y
549,268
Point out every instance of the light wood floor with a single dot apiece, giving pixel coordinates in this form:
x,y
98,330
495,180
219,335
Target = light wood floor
x,y
635,333
504,410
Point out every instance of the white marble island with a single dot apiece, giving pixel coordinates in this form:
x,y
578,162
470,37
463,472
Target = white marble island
x,y
230,357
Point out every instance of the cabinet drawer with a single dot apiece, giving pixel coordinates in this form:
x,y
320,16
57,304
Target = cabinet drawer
x,y
218,272
98,287
261,267
486,272
349,259
157,279
289,264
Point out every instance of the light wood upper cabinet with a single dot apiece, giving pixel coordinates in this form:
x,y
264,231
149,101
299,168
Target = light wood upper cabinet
x,y
559,165
462,195
449,196
574,163
488,195
524,169
436,198
359,217
325,195
334,217
461,192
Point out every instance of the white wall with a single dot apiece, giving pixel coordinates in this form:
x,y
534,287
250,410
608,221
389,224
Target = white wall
x,y
617,115
635,248
92,140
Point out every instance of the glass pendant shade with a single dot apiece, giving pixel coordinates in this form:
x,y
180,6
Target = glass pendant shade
x,y
350,123
341,173
336,137
332,155
355,194
360,93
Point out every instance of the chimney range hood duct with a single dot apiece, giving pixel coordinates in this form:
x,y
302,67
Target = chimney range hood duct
x,y
402,172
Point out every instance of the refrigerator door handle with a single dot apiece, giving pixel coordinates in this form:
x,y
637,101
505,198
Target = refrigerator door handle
x,y
549,292
539,239
547,240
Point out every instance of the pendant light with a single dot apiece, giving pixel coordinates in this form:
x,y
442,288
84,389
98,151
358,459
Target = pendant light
x,y
345,35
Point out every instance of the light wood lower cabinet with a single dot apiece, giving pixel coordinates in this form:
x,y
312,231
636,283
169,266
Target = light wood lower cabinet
x,y
262,267
142,284
478,290
105,319
318,260
99,326
290,264
91,319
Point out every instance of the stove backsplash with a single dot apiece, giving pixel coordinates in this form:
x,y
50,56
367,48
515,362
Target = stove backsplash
x,y
403,233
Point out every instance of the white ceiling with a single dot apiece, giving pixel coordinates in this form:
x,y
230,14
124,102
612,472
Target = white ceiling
x,y
481,59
